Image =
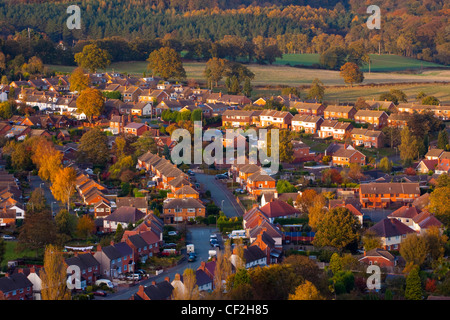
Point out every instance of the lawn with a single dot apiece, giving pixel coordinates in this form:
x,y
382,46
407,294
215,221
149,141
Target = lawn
x,y
12,254
384,62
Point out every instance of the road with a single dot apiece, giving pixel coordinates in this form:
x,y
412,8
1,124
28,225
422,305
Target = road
x,y
199,236
36,182
222,197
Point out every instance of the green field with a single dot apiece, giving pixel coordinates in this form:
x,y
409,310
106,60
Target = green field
x,y
379,63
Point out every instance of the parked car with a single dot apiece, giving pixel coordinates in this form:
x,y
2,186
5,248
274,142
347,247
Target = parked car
x,y
192,257
100,293
8,237
238,190
134,276
221,176
172,233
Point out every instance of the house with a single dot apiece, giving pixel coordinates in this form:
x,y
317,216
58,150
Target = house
x,y
398,120
240,118
356,213
16,287
391,233
301,151
345,157
124,216
405,214
339,112
130,94
425,166
139,203
117,123
278,119
367,138
135,128
425,220
7,217
279,209
102,208
33,274
381,105
267,245
150,236
434,154
253,257
267,227
378,119
140,247
309,108
156,291
260,182
334,129
89,268
184,192
141,109
244,171
382,195
307,123
182,209
115,259
443,166
379,257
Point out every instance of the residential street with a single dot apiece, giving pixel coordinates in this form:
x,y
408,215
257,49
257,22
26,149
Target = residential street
x,y
199,236
221,196
36,182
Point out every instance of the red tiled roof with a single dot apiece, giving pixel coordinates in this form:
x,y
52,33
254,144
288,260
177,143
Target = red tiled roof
x,y
278,208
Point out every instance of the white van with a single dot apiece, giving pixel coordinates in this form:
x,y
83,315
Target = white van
x,y
104,281
236,234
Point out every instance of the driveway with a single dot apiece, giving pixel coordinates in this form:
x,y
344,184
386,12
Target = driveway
x,y
220,194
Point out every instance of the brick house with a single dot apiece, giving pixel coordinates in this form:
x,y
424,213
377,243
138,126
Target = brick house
x,y
279,119
141,249
345,157
391,233
115,259
240,118
378,119
379,257
16,287
309,108
124,216
382,195
102,208
259,182
339,112
156,291
184,209
136,129
367,138
89,268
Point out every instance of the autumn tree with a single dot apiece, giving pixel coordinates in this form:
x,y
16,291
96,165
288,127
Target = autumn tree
x,y
47,159
91,102
93,147
63,185
414,250
330,176
436,243
166,62
215,70
385,165
65,222
440,204
317,90
189,289
408,147
93,58
78,80
85,226
317,211
351,73
371,240
53,276
338,228
306,199
306,291
144,144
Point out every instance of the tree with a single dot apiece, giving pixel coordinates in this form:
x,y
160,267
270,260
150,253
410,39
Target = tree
x,y
431,101
317,211
166,62
338,228
145,143
284,186
408,147
63,185
119,233
93,58
394,95
385,165
215,70
414,249
91,102
436,243
189,289
351,73
85,226
440,204
38,230
6,110
413,290
306,291
317,90
371,240
333,58
442,142
53,276
65,222
46,158
247,88
306,199
93,147
2,250
330,176
78,80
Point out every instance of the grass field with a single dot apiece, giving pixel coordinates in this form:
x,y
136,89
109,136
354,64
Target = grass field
x,y
12,254
384,62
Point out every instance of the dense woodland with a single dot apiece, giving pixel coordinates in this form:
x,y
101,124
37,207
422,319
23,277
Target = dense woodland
x,y
248,31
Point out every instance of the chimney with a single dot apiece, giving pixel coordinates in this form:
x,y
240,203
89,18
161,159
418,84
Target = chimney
x,y
167,279
154,283
6,274
141,291
99,248
202,265
20,270
32,270
177,277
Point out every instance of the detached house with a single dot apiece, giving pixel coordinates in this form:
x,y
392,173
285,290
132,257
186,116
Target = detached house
x,y
391,233
345,157
124,216
260,182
